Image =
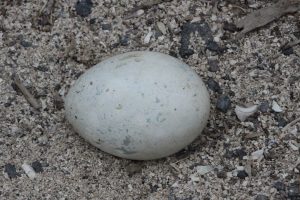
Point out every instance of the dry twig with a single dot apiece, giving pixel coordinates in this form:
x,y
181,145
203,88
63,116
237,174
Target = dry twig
x,y
28,96
266,15
292,123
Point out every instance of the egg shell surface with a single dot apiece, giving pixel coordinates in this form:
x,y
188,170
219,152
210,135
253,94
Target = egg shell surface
x,y
139,105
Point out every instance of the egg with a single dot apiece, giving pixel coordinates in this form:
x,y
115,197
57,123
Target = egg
x,y
139,105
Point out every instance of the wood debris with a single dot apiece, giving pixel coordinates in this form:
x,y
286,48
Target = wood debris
x,y
266,15
28,96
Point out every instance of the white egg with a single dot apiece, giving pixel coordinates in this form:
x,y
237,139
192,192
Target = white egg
x,y
139,105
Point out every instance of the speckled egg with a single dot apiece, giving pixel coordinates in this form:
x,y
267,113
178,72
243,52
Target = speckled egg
x,y
139,105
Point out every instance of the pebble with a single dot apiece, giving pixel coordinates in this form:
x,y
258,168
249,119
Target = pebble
x,y
161,27
106,27
237,153
242,174
26,44
288,51
213,46
37,166
124,40
281,121
213,65
261,197
280,186
223,103
276,107
221,174
84,7
213,85
10,170
294,191
29,171
202,28
264,107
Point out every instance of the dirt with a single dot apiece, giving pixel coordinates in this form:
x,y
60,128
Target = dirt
x,y
50,45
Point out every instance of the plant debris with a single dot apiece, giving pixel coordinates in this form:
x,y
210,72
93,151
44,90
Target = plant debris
x,y
266,15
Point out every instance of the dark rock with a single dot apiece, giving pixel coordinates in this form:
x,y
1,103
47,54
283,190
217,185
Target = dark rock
x,y
173,53
84,7
106,27
25,43
238,153
213,46
213,65
264,106
261,197
150,21
288,51
213,85
42,68
202,28
37,166
153,188
124,40
223,103
281,122
11,171
242,174
221,174
93,21
294,191
280,186
230,27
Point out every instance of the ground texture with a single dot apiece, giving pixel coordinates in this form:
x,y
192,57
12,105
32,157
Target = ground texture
x,y
49,47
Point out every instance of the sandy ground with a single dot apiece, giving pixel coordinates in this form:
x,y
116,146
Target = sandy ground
x,y
255,159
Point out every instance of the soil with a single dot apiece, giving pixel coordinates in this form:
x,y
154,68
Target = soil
x,y
50,45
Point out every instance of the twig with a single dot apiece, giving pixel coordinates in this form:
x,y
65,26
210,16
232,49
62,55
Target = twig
x,y
292,123
266,15
28,96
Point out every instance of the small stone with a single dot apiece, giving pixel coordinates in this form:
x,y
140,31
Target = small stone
x,y
84,7
280,186
294,191
242,174
106,27
276,107
161,27
26,44
261,197
213,46
124,40
281,122
239,153
213,85
222,174
264,107
223,103
288,51
213,65
37,166
10,170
